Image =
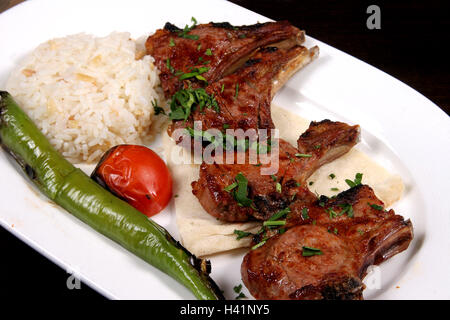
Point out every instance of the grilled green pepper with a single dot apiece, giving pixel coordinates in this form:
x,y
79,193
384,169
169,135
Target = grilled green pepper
x,y
73,190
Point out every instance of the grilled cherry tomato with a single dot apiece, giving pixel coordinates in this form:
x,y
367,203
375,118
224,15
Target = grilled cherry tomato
x,y
137,175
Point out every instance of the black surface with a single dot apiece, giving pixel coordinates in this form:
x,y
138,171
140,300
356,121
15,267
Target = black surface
x,y
410,46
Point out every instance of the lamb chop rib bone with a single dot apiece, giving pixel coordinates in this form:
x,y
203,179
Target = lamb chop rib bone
x,y
244,97
225,46
349,243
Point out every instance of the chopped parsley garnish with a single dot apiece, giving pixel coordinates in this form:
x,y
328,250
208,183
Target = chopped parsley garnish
x,y
274,223
303,155
242,234
199,47
375,206
238,290
357,181
331,213
195,73
222,88
184,100
334,189
208,52
226,126
318,146
187,29
335,231
242,36
332,176
309,251
237,91
158,110
346,209
297,184
361,232
260,244
242,192
279,214
274,178
171,43
281,230
241,295
230,187
169,66
278,187
305,213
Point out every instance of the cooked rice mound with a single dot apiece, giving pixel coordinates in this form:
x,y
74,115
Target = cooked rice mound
x,y
88,94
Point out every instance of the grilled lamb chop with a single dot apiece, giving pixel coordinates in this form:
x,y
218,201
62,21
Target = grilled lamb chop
x,y
335,138
328,245
244,97
220,47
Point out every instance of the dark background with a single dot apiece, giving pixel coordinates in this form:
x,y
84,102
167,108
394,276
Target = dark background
x,y
411,46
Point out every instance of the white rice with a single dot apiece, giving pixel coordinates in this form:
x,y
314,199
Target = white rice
x,y
88,94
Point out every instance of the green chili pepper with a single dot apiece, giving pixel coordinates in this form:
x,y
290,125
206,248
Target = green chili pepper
x,y
73,190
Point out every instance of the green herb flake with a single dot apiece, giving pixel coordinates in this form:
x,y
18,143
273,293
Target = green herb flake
x,y
208,52
278,187
311,183
237,288
187,29
171,43
242,234
334,189
346,209
184,100
279,214
199,47
157,109
274,223
303,155
305,215
375,206
309,251
169,66
332,176
361,232
242,192
331,213
222,88
260,244
357,181
237,90
230,187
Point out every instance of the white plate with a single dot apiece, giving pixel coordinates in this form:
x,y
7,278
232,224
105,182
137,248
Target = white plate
x,y
402,129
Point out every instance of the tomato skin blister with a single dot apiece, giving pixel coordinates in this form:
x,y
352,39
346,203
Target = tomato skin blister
x,y
137,175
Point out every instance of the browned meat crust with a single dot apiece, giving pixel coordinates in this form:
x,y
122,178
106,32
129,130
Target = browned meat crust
x,y
349,244
336,138
229,47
